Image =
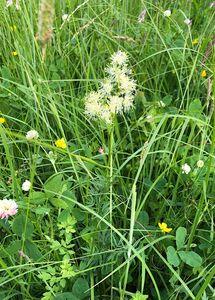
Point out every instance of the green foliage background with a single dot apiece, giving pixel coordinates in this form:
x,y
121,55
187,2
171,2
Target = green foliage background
x,y
70,247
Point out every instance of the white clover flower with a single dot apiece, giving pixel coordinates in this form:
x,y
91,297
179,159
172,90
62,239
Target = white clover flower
x,y
200,163
65,17
7,208
32,135
188,22
119,58
186,169
116,104
167,13
26,185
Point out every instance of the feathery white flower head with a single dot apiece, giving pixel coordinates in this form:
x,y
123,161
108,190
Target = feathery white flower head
x,y
142,16
116,93
7,208
105,114
212,4
115,104
106,86
92,104
26,185
188,22
32,135
119,58
167,13
186,169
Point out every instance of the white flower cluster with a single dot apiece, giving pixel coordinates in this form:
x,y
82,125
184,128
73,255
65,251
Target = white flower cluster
x,y
116,93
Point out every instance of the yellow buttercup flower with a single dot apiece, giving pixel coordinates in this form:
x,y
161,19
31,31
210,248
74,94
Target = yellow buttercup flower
x,y
204,73
14,53
163,227
2,120
195,41
60,143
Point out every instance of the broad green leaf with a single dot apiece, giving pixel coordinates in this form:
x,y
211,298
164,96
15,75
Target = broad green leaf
x,y
172,256
59,203
80,288
143,219
139,296
37,197
66,296
21,227
41,210
53,186
190,258
32,251
167,100
181,234
195,108
64,215
12,249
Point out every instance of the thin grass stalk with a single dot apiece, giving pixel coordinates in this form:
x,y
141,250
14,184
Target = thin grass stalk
x,y
111,194
131,231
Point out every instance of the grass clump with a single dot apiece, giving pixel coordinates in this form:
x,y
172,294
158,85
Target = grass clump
x,y
106,185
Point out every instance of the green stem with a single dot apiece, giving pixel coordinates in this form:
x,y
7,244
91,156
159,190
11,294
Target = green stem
x,y
131,231
92,296
110,154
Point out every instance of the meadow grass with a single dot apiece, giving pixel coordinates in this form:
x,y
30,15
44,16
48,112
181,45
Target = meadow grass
x,y
88,226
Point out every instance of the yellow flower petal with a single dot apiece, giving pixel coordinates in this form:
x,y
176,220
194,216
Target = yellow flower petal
x,y
2,120
163,227
14,53
195,41
204,73
60,143
13,28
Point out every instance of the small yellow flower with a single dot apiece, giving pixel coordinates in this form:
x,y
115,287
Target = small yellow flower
x,y
163,227
204,74
2,120
13,28
195,41
14,53
60,143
